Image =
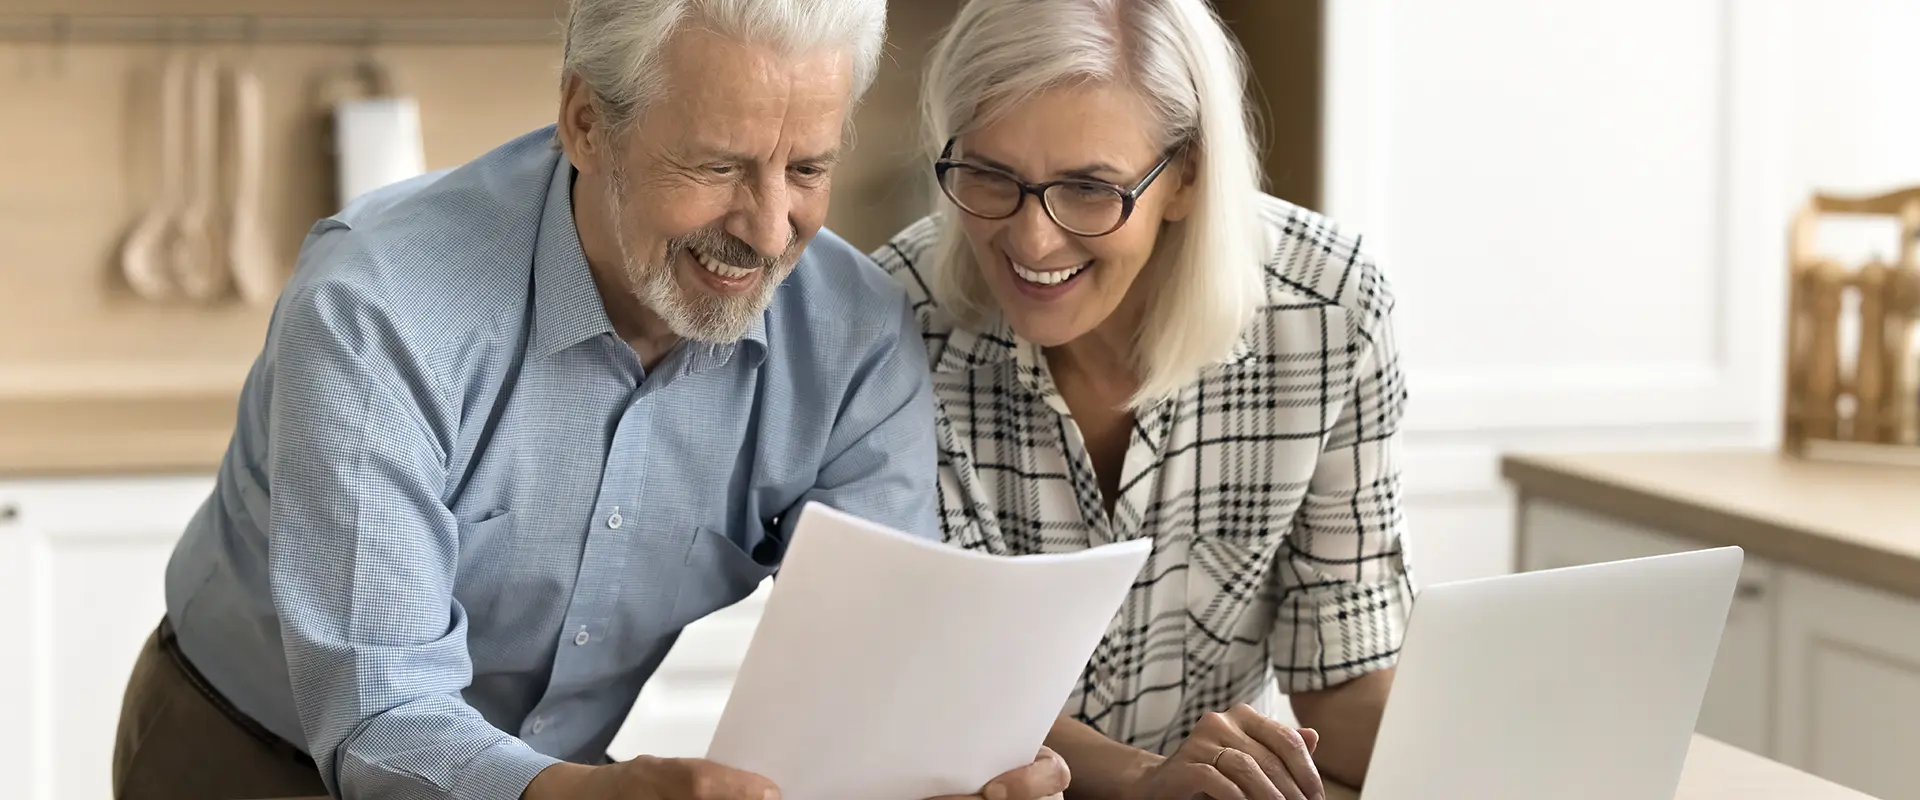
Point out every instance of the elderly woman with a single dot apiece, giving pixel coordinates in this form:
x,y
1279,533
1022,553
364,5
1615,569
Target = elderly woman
x,y
1130,340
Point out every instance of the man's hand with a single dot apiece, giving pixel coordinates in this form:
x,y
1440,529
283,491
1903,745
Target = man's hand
x,y
1046,777
1239,755
648,778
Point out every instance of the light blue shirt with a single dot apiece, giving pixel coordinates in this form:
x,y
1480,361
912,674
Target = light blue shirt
x,y
458,525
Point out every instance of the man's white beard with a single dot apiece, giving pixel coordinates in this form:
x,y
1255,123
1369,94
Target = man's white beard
x,y
689,313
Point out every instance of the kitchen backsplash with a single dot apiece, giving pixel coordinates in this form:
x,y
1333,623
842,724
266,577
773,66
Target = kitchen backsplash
x,y
82,141
79,131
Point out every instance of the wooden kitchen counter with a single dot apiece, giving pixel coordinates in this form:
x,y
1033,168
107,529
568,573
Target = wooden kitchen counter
x,y
1853,522
94,437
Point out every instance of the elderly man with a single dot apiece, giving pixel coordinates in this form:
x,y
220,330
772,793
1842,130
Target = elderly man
x,y
515,425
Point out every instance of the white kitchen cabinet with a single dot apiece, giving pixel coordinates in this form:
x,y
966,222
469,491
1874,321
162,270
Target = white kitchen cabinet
x,y
1820,664
81,568
1738,708
1848,699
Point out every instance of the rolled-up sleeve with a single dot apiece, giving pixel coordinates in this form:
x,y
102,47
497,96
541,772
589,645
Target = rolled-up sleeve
x,y
879,463
362,562
1341,579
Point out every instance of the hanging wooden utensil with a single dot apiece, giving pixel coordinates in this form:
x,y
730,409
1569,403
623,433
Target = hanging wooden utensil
x,y
195,261
145,254
250,253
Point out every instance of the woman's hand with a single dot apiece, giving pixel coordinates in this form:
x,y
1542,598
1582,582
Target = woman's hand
x,y
1238,755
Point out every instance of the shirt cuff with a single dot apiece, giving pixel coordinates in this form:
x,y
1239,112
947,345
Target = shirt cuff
x,y
1333,634
501,772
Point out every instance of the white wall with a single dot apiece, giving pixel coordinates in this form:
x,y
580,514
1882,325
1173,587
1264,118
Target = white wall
x,y
1855,114
1583,208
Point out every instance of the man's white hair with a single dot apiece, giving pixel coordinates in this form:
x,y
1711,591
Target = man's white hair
x,y
615,46
1192,75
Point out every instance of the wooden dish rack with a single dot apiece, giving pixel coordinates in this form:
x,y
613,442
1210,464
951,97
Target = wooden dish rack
x,y
1867,410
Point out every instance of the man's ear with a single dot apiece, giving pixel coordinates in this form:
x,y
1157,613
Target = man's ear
x,y
581,128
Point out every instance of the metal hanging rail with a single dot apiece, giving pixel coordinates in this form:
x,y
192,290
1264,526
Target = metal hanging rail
x,y
59,30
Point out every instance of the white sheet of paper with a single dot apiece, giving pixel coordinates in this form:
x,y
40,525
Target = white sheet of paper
x,y
891,668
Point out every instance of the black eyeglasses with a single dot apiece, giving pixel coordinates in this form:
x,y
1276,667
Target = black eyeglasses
x,y
1081,206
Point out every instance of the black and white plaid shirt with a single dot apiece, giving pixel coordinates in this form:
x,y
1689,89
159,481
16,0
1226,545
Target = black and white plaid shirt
x,y
1270,488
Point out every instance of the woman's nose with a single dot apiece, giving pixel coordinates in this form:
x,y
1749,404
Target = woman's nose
x,y
1031,234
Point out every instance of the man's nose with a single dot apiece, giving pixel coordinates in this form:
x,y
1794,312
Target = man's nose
x,y
764,220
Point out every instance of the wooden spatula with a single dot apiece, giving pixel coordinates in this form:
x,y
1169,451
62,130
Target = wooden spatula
x,y
250,253
195,259
145,254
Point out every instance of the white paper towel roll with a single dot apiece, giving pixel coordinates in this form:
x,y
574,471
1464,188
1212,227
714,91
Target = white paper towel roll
x,y
379,143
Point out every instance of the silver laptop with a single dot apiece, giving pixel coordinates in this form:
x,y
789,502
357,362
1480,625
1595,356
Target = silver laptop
x,y
1581,683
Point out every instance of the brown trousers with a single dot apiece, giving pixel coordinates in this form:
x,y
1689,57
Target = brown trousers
x,y
179,739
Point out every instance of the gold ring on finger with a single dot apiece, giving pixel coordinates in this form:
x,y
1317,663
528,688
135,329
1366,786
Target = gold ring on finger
x,y
1215,763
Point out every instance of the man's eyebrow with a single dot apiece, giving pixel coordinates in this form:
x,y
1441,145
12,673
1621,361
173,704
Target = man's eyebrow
x,y
826,159
705,154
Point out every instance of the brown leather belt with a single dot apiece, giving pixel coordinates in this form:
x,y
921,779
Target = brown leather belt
x,y
170,645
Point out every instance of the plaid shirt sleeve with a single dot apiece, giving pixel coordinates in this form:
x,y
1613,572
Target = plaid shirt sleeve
x,y
1343,589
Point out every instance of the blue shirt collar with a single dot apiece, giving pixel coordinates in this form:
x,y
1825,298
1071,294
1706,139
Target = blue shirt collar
x,y
567,307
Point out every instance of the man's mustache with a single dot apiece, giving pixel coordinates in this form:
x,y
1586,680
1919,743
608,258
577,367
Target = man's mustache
x,y
731,250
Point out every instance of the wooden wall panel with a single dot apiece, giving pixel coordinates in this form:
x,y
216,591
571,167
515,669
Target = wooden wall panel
x,y
1282,39
78,133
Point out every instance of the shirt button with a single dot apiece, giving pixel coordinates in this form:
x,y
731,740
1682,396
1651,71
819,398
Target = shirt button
x,y
614,520
539,724
581,638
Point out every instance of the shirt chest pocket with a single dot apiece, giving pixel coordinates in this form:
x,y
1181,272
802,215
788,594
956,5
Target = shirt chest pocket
x,y
503,564
720,573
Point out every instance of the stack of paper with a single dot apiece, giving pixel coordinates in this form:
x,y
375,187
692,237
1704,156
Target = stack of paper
x,y
891,668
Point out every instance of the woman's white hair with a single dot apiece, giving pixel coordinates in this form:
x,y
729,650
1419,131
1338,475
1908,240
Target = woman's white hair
x,y
1206,269
615,46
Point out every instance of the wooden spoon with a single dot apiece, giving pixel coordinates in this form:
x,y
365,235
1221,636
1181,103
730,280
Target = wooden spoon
x,y
144,256
250,253
194,259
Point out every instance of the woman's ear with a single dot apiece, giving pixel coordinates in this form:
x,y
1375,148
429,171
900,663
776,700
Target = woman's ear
x,y
1186,168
